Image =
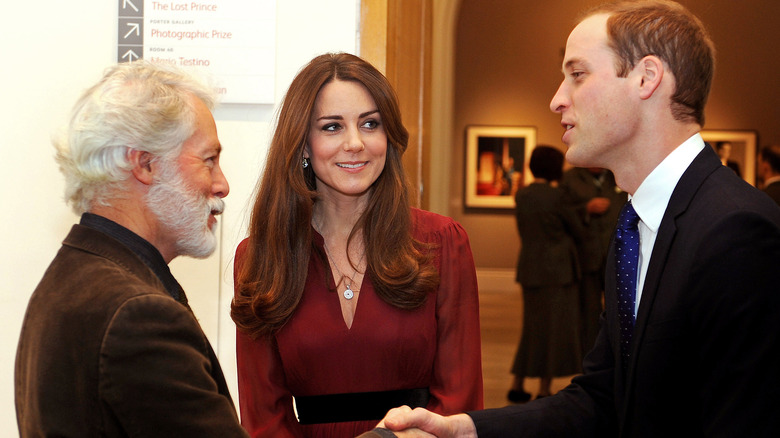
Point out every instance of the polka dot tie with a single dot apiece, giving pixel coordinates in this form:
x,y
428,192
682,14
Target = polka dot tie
x,y
627,264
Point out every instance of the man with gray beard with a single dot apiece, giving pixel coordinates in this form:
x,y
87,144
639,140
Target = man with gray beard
x,y
109,346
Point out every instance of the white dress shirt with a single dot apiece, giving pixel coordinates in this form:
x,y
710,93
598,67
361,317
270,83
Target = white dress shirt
x,y
652,197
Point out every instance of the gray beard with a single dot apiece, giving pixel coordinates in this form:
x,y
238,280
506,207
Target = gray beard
x,y
183,212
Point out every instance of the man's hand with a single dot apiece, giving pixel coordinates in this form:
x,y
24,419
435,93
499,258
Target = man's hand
x,y
455,426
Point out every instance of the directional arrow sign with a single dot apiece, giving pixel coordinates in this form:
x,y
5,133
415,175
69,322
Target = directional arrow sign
x,y
127,4
130,56
134,29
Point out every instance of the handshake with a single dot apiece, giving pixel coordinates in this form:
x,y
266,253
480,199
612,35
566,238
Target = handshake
x,y
406,422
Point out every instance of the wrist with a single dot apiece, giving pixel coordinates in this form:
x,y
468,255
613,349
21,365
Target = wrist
x,y
463,426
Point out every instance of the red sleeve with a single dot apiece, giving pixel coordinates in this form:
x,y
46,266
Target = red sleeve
x,y
457,368
264,401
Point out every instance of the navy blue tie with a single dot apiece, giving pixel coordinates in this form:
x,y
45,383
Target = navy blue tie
x,y
626,267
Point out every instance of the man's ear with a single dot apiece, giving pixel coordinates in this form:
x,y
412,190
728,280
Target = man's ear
x,y
142,165
651,69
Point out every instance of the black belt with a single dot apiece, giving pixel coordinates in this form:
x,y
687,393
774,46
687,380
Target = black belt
x,y
357,406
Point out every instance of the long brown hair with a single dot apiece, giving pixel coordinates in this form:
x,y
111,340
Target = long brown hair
x,y
271,275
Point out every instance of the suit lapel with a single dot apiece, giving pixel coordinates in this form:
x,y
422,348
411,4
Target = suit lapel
x,y
702,166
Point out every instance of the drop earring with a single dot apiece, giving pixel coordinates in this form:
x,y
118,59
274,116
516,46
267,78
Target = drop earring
x,y
305,162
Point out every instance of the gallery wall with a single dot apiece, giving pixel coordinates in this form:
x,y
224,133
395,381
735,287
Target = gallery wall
x,y
507,66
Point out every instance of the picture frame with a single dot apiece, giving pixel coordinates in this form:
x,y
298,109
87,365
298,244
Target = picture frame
x,y
497,164
738,147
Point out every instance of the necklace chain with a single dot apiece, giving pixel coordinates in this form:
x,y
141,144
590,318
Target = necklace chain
x,y
349,293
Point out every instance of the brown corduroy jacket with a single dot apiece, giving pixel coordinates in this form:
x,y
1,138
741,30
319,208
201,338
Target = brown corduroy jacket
x,y
106,351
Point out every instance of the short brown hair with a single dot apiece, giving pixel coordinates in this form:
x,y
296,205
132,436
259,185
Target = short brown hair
x,y
672,33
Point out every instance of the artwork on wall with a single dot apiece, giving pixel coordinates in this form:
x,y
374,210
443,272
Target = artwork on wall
x,y
497,164
737,149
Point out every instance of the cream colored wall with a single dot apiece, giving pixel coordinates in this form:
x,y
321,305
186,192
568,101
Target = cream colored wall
x,y
51,52
445,14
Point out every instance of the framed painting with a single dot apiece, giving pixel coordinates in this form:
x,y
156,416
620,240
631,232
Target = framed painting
x,y
737,150
497,164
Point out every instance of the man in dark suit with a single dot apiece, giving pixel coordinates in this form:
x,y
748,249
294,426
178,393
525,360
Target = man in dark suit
x,y
705,348
769,171
109,346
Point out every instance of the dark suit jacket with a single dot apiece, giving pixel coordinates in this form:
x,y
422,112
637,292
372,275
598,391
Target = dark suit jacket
x,y
105,351
706,347
548,232
773,190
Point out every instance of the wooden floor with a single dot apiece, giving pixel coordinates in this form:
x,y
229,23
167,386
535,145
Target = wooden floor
x,y
501,320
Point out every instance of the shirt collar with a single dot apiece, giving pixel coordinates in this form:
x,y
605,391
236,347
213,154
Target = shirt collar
x,y
652,196
141,248
771,180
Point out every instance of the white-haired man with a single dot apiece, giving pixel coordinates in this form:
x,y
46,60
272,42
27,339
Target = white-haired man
x,y
109,346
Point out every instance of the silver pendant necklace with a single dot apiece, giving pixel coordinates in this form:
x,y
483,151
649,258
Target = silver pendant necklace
x,y
348,293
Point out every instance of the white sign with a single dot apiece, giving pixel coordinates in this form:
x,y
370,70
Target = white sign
x,y
233,40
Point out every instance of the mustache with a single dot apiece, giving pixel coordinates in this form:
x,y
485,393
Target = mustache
x,y
216,205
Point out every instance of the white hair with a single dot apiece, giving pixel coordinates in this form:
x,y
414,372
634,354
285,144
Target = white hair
x,y
137,105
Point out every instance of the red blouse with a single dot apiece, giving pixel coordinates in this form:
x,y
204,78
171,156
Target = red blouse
x,y
435,346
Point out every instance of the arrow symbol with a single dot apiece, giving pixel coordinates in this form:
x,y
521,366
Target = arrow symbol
x,y
133,28
128,2
129,55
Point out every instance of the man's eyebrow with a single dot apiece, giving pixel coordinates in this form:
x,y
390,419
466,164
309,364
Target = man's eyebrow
x,y
574,62
214,149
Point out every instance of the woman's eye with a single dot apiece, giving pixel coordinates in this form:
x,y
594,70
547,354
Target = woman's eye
x,y
370,124
331,127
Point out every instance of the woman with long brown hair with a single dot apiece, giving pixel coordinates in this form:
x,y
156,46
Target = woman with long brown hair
x,y
348,299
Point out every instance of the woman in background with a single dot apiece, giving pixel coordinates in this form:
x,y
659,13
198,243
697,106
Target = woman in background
x,y
548,271
348,299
